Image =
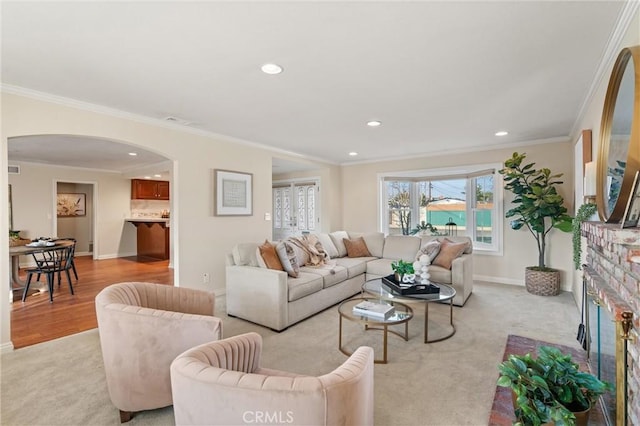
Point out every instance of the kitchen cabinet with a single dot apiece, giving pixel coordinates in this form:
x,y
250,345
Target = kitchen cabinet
x,y
144,189
152,238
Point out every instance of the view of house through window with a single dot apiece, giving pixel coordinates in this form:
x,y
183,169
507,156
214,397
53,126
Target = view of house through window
x,y
458,204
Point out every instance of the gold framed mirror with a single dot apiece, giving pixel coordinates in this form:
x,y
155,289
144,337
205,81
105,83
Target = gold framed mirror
x,y
619,155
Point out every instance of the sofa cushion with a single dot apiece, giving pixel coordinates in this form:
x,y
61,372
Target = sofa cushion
x,y
331,274
403,247
431,249
438,274
356,247
374,241
287,256
244,254
336,238
380,267
305,284
269,256
328,245
449,251
355,265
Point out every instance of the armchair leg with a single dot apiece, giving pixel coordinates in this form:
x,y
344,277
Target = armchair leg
x,y
125,416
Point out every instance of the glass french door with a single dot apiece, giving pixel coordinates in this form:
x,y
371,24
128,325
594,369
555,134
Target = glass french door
x,y
294,209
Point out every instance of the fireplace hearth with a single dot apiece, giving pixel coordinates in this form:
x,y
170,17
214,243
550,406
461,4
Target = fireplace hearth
x,y
612,276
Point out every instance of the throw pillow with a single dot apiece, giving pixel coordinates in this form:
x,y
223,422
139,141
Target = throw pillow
x,y
328,245
431,249
270,257
336,238
448,251
287,256
356,247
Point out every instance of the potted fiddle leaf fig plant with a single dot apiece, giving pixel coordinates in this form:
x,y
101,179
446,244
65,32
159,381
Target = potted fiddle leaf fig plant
x,y
550,388
539,208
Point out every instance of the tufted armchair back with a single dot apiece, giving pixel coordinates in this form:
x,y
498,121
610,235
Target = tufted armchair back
x,y
143,327
222,383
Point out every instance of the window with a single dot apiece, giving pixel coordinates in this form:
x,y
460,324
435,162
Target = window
x,y
445,202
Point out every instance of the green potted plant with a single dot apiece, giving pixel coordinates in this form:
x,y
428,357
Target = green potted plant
x,y
401,268
550,388
538,208
584,212
423,227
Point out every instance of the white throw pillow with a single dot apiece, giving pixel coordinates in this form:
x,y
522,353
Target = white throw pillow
x,y
431,249
336,238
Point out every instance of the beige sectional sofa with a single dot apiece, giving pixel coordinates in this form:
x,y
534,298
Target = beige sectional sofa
x,y
276,300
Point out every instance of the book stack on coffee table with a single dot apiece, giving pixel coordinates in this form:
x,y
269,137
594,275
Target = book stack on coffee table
x,y
374,310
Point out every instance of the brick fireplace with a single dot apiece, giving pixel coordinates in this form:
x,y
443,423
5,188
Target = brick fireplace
x,y
612,276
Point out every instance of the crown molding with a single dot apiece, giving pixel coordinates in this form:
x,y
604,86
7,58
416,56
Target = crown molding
x,y
608,58
113,112
440,153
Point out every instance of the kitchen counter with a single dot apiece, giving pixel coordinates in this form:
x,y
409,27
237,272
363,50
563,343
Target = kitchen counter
x,y
152,236
148,219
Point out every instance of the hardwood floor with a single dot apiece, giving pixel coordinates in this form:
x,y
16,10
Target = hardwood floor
x,y
36,320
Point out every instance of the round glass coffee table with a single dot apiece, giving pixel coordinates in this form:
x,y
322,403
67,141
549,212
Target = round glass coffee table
x,y
401,315
447,293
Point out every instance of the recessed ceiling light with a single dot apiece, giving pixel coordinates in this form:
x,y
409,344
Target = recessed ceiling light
x,y
374,123
271,69
353,153
156,175
502,133
147,177
133,154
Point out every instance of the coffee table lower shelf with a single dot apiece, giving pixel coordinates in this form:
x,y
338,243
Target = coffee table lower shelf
x,y
402,315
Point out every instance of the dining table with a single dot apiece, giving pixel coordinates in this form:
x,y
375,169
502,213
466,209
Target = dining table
x,y
17,283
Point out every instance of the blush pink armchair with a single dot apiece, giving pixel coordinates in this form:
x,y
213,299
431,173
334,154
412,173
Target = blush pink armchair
x,y
222,383
143,327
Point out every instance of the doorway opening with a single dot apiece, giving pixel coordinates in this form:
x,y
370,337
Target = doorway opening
x,y
296,209
75,213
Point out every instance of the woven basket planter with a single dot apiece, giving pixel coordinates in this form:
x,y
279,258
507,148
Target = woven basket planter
x,y
542,283
15,242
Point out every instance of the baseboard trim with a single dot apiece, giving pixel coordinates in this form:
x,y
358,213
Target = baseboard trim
x,y
510,281
498,280
116,255
6,348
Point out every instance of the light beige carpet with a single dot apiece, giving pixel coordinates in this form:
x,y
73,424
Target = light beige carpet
x,y
446,383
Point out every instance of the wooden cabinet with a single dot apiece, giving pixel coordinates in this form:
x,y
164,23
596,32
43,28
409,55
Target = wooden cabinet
x,y
153,239
144,189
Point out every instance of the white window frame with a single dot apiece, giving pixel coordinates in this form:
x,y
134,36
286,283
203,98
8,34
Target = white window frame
x,y
498,196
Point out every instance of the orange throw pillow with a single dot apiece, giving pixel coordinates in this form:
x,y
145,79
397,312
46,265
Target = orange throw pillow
x,y
356,247
448,251
270,257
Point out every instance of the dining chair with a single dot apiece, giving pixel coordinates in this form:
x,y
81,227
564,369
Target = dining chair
x,y
53,263
72,261
46,258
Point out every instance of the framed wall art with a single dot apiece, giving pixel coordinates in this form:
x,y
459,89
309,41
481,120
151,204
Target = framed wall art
x,y
71,204
233,193
632,212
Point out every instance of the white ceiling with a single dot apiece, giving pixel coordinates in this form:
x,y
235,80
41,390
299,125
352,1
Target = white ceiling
x,y
441,76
